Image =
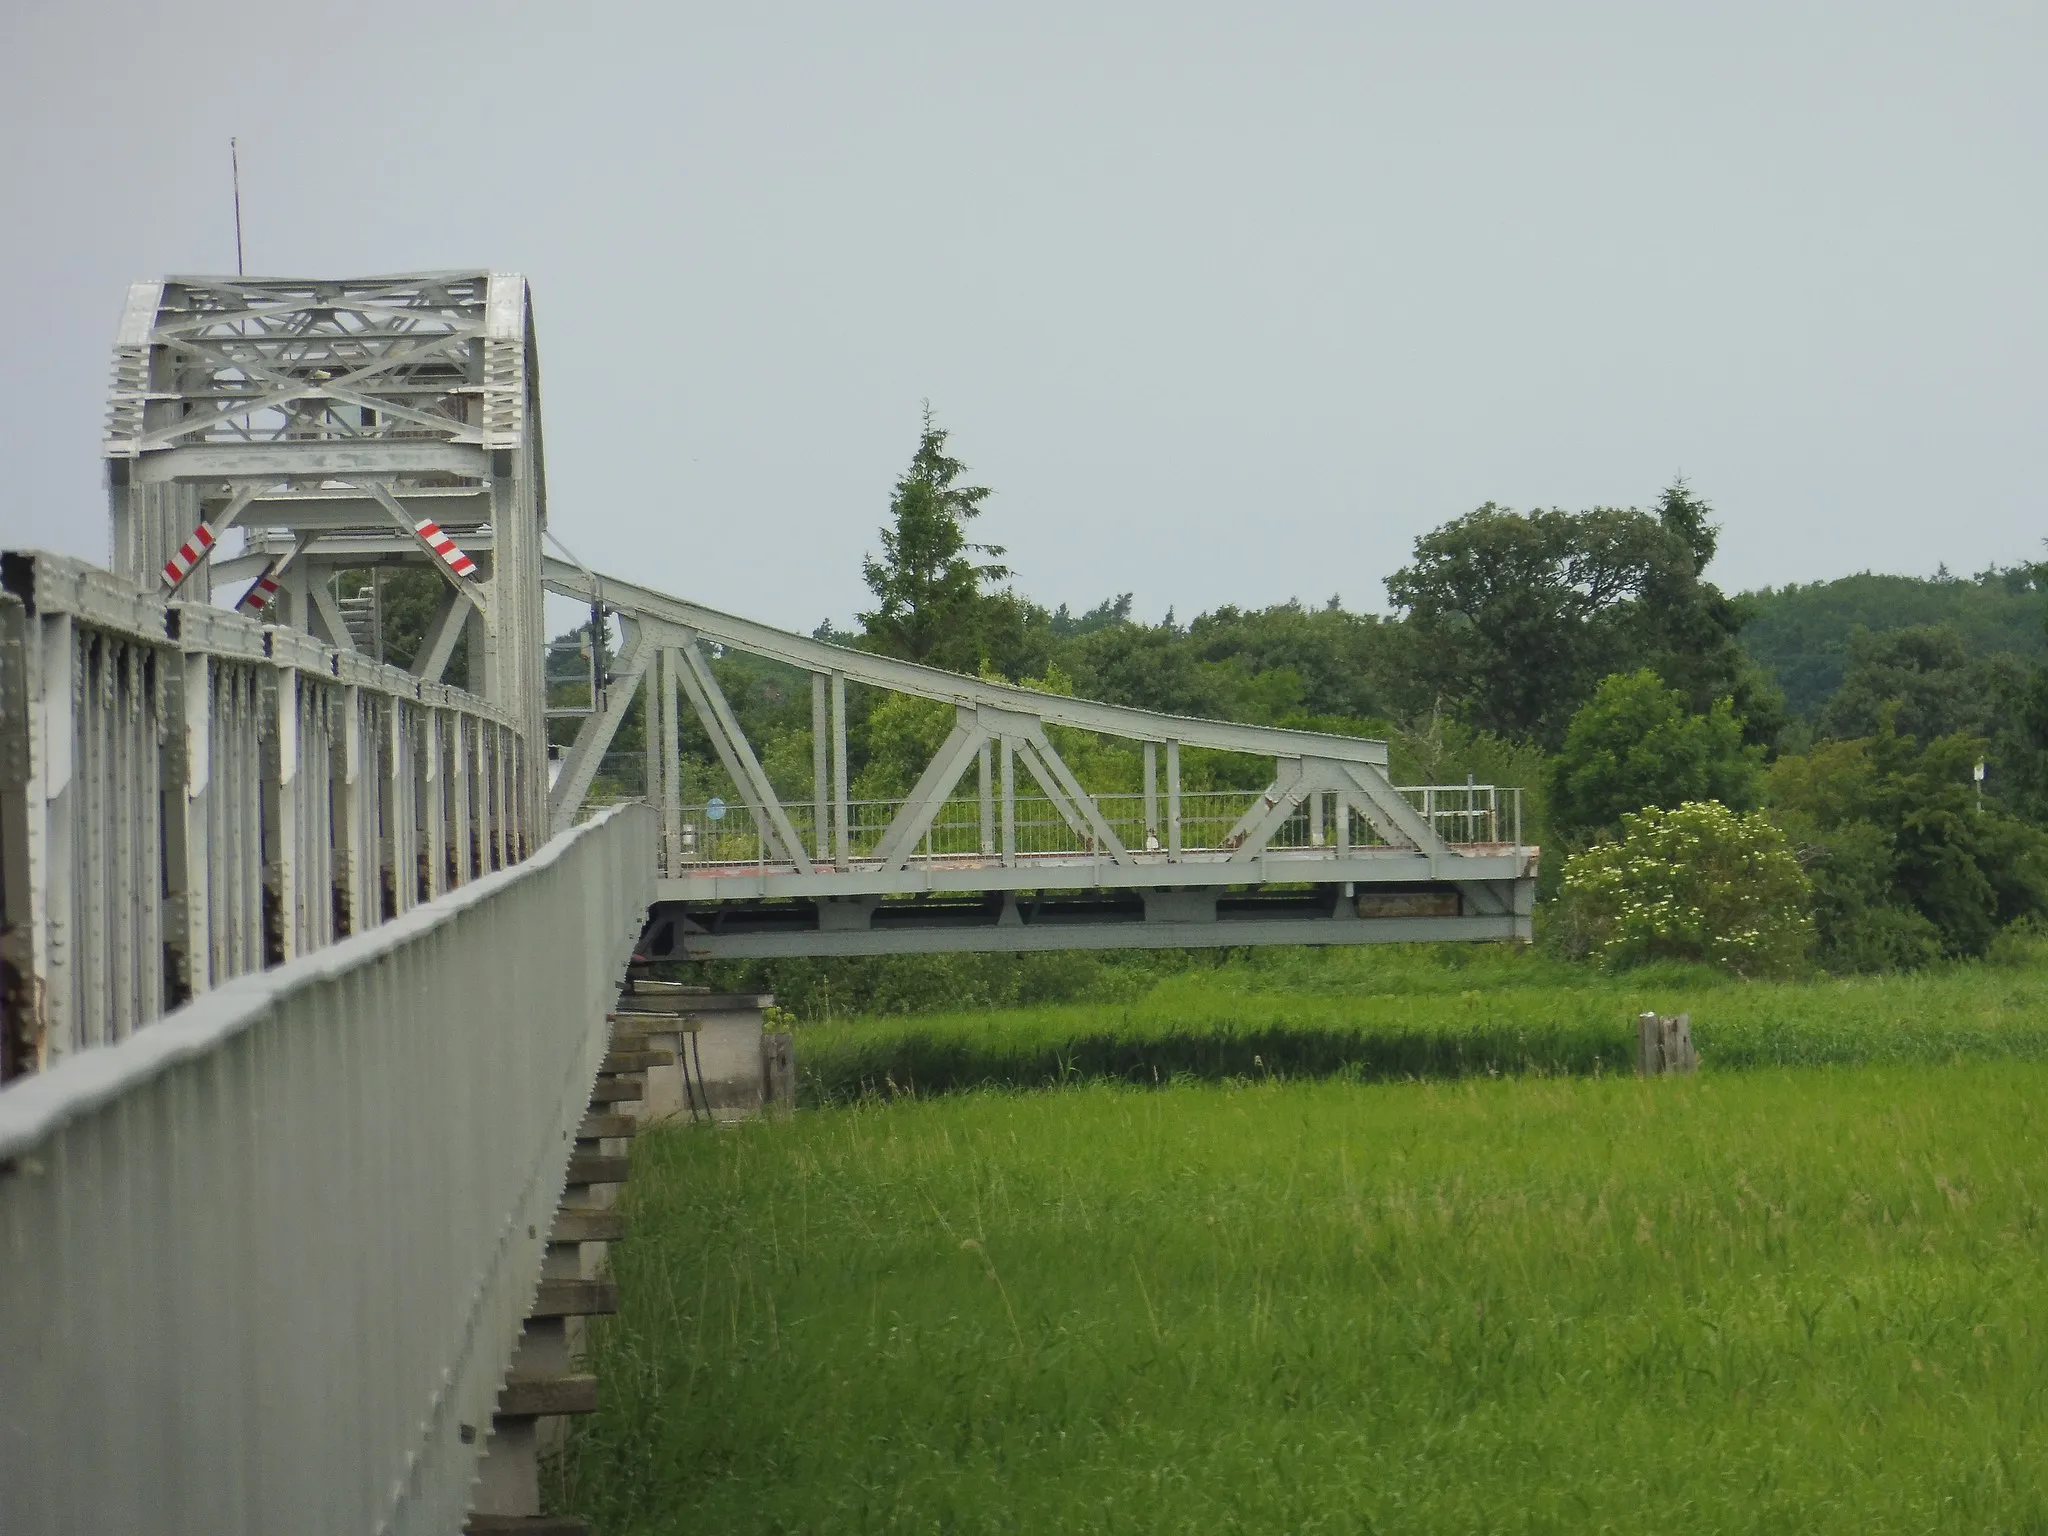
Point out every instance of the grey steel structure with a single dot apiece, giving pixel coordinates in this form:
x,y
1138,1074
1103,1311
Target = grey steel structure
x,y
325,419
1000,846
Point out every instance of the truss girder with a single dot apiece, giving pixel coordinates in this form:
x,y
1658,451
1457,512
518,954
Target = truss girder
x,y
995,728
327,406
358,422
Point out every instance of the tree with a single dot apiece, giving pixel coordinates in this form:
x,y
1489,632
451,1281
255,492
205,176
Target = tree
x,y
1344,659
1635,744
1906,863
1926,677
1804,635
1516,616
929,602
1697,882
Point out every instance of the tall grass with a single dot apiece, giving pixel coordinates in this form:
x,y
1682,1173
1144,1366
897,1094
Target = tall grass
x,y
1419,1013
1805,1300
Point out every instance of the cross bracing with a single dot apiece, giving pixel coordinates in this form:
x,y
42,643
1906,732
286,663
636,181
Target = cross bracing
x,y
296,411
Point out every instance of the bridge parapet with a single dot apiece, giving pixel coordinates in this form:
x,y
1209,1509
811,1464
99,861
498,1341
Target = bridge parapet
x,y
266,1261
187,795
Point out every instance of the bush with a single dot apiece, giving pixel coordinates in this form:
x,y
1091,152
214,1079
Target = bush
x,y
1700,882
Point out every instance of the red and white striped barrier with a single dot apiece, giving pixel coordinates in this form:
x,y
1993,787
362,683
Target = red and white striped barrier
x,y
261,594
190,553
439,542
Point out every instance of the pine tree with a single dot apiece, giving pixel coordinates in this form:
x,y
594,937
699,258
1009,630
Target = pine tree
x,y
928,582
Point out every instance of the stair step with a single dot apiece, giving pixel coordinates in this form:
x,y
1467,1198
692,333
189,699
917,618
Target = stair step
x,y
636,1061
665,989
529,1397
575,1298
607,1128
587,1224
525,1525
596,1168
617,1090
654,1022
634,1038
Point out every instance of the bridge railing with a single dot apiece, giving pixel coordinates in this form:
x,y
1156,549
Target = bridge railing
x,y
717,835
187,796
265,1261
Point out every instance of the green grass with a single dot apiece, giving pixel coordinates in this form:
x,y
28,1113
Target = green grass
x,y
1416,1013
1777,1300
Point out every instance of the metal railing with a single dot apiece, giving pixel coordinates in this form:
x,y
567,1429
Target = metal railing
x,y
726,834
266,1260
188,796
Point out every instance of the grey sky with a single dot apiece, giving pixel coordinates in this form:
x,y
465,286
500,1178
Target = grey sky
x,y
1228,305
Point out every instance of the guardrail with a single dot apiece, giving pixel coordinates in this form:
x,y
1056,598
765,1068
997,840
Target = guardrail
x,y
188,796
727,834
266,1260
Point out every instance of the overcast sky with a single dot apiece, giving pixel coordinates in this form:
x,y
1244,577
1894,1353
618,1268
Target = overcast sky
x,y
1228,304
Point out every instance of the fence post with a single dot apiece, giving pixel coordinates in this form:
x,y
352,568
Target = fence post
x,y
778,1070
1664,1045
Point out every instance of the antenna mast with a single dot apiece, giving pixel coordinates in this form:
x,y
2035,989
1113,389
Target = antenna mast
x,y
235,163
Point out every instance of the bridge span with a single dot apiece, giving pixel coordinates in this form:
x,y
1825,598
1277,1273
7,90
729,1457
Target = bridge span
x,y
309,963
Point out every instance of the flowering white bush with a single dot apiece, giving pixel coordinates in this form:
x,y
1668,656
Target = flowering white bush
x,y
1697,883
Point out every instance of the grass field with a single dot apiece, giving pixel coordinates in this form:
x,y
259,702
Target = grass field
x,y
1450,1011
1805,1299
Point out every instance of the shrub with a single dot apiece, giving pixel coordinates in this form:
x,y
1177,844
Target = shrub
x,y
1700,882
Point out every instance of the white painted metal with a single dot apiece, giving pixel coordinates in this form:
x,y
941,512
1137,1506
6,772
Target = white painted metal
x,y
680,615
337,407
266,1261
198,790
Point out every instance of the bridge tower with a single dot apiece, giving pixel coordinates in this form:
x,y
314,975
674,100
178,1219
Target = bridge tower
x,y
341,424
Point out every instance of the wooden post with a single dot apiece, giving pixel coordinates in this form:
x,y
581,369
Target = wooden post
x,y
1664,1045
778,1070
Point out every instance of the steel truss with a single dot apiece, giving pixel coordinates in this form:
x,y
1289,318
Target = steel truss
x,y
1329,852
376,421
332,419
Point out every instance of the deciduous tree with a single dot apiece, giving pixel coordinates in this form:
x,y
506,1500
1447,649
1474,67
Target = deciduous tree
x,y
1636,744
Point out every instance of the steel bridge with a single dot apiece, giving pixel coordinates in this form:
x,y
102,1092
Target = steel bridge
x,y
309,961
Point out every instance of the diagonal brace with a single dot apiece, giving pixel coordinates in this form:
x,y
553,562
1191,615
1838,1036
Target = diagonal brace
x,y
1058,782
720,724
594,735
934,787
1391,816
382,492
1264,815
